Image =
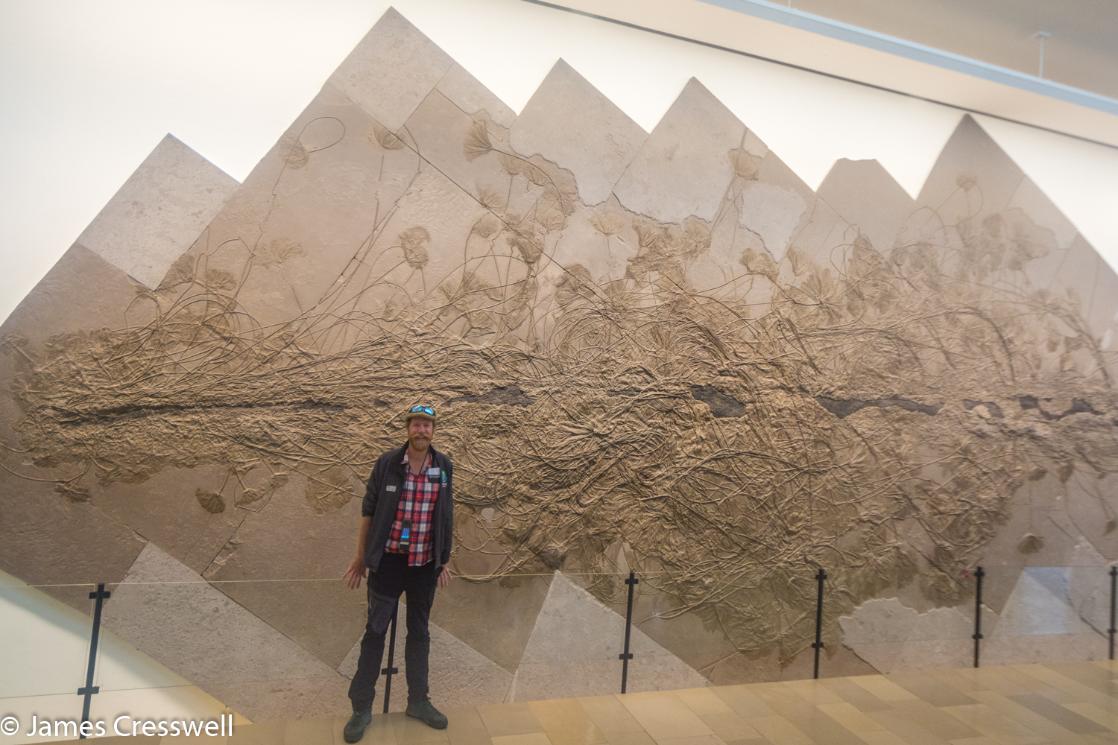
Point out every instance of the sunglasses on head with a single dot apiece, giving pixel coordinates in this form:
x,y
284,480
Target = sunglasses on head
x,y
422,409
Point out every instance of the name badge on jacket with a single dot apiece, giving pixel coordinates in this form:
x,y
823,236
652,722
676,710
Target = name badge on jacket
x,y
433,472
390,487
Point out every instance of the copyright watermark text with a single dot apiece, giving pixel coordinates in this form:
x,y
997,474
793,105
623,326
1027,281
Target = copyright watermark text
x,y
124,725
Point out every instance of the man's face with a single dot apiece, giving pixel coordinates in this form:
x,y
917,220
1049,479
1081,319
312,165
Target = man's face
x,y
420,432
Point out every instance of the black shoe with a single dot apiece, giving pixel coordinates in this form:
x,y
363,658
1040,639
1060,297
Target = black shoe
x,y
425,712
355,727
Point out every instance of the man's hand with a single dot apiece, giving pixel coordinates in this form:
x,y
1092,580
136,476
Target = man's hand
x,y
355,573
444,577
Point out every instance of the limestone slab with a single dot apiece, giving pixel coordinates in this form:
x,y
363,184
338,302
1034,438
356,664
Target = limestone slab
x,y
305,215
700,645
158,212
685,165
54,308
68,545
466,148
972,176
891,636
772,213
568,121
1088,586
172,614
391,70
601,239
1079,271
1039,606
164,509
470,610
574,646
459,675
819,241
284,563
473,98
868,198
1030,200
39,519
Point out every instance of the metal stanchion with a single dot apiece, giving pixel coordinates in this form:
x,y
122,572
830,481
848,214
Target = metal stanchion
x,y
627,655
820,576
1113,590
390,669
99,596
979,573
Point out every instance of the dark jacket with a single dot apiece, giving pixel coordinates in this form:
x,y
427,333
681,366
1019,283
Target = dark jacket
x,y
380,503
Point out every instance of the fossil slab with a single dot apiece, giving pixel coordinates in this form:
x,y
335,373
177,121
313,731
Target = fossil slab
x,y
663,352
173,615
570,123
160,209
574,646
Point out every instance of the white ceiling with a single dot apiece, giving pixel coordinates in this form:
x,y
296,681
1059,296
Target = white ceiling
x,y
1082,51
854,40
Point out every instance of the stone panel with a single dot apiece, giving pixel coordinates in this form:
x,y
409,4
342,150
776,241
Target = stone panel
x,y
298,558
972,177
568,121
684,167
470,610
868,198
172,614
574,646
473,98
391,70
158,212
459,676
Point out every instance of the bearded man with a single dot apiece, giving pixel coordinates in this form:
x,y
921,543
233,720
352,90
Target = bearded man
x,y
403,542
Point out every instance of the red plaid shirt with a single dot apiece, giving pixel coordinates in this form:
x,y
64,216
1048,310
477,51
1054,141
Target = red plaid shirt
x,y
417,503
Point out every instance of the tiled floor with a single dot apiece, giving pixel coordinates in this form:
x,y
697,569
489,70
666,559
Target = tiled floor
x,y
1072,704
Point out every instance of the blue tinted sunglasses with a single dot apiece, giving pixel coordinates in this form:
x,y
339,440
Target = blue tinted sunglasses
x,y
422,409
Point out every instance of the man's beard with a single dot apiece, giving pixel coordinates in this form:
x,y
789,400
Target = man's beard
x,y
419,442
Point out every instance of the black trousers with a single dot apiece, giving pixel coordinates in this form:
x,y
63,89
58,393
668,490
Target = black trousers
x,y
393,577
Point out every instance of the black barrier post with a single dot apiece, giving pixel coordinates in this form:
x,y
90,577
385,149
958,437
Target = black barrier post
x,y
390,670
820,576
627,655
98,596
979,573
1113,589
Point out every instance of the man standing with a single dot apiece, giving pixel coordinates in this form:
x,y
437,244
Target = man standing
x,y
404,538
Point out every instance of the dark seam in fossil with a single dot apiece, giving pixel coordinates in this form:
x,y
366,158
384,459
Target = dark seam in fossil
x,y
844,407
504,394
71,417
969,404
1078,406
721,404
